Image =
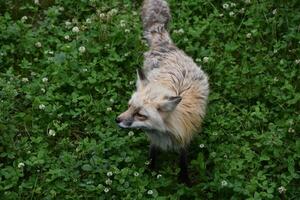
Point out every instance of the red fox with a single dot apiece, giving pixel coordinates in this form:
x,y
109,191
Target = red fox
x,y
171,91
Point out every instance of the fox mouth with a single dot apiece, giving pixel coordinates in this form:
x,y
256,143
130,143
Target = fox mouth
x,y
122,125
125,125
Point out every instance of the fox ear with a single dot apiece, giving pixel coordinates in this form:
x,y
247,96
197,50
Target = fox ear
x,y
141,79
170,103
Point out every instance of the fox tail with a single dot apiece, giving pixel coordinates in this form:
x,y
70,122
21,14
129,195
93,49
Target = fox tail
x,y
156,17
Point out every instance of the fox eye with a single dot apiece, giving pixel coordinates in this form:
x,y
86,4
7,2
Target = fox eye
x,y
141,116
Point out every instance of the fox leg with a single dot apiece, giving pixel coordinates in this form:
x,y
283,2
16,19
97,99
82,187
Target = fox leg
x,y
183,174
152,156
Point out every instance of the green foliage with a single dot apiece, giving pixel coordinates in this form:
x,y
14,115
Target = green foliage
x,y
62,87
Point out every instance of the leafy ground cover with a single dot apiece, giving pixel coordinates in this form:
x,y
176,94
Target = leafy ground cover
x,y
68,68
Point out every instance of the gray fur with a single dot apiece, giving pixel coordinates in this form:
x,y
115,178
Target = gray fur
x,y
172,92
156,16
167,64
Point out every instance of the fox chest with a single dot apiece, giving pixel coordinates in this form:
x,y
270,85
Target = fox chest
x,y
164,141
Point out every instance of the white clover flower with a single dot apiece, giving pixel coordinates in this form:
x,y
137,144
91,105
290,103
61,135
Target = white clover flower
x,y
242,10
106,190
81,49
225,6
122,23
75,29
111,100
21,165
205,59
51,132
158,176
127,31
175,31
37,2
130,133
88,21
67,37
249,35
24,18
112,12
232,4
48,52
201,146
224,183
213,154
102,15
297,61
108,109
179,31
109,174
61,8
231,13
136,174
38,44
67,23
221,15
150,192
45,79
274,11
108,182
84,69
291,130
74,20
43,90
42,107
198,59
247,1
281,189
25,80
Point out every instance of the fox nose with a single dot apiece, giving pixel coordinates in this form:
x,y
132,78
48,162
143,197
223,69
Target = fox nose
x,y
118,120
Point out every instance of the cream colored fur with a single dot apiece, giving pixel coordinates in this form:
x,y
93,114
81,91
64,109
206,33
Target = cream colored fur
x,y
170,75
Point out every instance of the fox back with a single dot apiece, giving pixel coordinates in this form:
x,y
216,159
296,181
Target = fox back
x,y
171,91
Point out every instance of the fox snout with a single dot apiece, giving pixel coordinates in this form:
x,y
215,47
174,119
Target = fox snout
x,y
124,121
118,120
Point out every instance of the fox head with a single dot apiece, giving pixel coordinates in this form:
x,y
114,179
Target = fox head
x,y
149,106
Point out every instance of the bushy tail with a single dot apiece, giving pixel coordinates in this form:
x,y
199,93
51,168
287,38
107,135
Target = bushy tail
x,y
156,16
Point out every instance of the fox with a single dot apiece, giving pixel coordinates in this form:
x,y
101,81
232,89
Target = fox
x,y
171,94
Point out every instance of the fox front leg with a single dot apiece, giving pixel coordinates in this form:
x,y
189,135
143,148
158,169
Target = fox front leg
x,y
153,151
183,174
